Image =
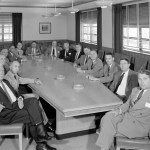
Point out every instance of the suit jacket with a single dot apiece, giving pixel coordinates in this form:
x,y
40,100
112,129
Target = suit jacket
x,y
70,55
79,56
30,52
15,81
81,61
12,56
132,81
136,121
91,68
49,49
109,73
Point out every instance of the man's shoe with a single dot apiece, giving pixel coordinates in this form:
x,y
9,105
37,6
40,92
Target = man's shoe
x,y
44,146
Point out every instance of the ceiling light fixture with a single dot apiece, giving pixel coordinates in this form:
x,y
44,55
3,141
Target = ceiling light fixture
x,y
104,3
56,13
72,9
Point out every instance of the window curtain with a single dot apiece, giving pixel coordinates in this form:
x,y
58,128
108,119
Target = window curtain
x,y
99,29
117,9
78,27
17,27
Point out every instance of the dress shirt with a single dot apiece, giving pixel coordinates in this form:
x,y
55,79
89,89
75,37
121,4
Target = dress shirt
x,y
77,55
122,87
33,51
11,94
53,52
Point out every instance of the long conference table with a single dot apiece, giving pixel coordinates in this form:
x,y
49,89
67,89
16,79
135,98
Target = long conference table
x,y
75,108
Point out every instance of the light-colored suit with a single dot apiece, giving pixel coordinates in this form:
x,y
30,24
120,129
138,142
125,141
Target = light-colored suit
x,y
91,68
132,122
82,60
49,51
109,73
29,51
14,82
132,81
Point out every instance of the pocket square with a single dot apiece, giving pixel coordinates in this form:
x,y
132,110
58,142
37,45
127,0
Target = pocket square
x,y
147,105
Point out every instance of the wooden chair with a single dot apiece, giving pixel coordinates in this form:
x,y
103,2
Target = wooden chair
x,y
13,129
135,143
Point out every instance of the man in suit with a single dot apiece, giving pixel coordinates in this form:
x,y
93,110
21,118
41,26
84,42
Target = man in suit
x,y
12,54
84,58
79,51
132,119
7,62
93,65
53,50
33,50
67,54
15,109
124,80
110,68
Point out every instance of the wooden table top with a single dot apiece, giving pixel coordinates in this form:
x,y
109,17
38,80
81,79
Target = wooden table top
x,y
94,97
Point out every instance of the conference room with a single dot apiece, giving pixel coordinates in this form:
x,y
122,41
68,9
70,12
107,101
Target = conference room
x,y
80,60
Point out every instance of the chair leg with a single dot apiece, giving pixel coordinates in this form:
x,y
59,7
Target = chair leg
x,y
20,141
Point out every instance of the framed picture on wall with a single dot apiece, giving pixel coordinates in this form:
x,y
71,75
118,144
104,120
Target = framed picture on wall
x,y
44,27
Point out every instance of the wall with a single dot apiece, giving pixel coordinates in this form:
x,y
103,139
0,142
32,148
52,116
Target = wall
x,y
71,27
31,19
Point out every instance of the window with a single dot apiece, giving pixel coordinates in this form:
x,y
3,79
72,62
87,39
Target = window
x,y
5,27
88,26
136,27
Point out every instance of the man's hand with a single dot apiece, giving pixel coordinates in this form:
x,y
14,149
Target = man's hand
x,y
37,81
20,102
74,65
1,107
93,78
79,70
116,112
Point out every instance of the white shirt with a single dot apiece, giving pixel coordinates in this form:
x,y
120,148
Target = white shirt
x,y
122,87
53,49
11,94
33,51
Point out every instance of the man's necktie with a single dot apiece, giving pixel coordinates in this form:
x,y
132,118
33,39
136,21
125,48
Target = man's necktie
x,y
92,66
139,96
6,92
119,82
53,54
85,60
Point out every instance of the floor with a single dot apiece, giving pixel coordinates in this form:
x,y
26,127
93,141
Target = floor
x,y
86,142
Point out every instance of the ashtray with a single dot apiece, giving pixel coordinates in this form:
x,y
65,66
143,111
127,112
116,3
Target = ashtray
x,y
60,77
78,86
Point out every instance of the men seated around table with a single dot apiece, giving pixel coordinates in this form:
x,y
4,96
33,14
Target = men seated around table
x,y
15,109
67,54
12,54
109,69
19,50
79,51
15,80
124,80
53,50
84,58
34,50
93,65
131,119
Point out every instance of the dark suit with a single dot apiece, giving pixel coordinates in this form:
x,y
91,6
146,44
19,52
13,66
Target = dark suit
x,y
12,56
70,55
31,112
78,56
29,51
132,81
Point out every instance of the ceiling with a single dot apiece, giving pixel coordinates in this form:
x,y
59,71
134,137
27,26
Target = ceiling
x,y
51,3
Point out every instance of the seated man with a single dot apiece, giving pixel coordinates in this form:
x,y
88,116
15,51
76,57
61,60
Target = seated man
x,y
84,58
7,62
33,50
93,65
15,109
19,50
79,51
110,68
2,60
53,50
124,80
132,119
12,54
15,80
67,54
